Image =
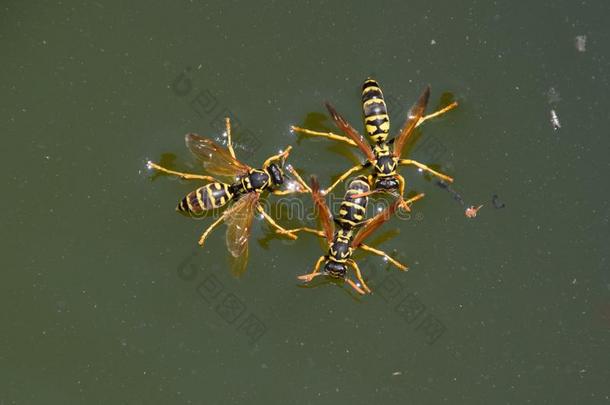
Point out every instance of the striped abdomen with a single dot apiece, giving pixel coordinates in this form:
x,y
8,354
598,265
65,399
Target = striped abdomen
x,y
376,119
213,195
353,210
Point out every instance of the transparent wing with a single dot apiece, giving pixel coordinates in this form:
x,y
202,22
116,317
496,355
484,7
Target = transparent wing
x,y
323,210
416,112
375,222
239,225
216,159
351,132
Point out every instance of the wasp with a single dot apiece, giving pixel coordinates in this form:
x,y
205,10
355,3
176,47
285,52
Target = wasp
x,y
349,233
244,191
385,155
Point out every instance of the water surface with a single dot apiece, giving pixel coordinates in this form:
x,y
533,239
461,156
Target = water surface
x,y
107,299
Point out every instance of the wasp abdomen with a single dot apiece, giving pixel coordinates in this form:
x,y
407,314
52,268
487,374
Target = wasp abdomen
x,y
353,209
213,195
376,119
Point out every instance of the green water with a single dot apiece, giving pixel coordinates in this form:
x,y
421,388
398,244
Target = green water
x,y
106,297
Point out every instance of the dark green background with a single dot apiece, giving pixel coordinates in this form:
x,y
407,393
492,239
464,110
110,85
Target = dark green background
x,y
100,281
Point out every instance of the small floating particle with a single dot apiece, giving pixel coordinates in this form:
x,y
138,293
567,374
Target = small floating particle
x,y
496,202
555,120
471,211
553,96
581,43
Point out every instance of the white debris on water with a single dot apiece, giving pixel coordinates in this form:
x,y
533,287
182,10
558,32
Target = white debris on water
x,y
581,43
555,120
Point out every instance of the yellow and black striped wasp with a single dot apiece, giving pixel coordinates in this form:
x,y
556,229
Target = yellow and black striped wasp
x,y
351,230
245,190
385,155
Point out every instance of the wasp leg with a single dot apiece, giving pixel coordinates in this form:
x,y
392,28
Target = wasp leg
x,y
210,229
282,155
229,139
401,192
345,176
437,113
315,272
299,179
359,275
187,176
274,224
406,204
304,229
422,166
384,255
286,192
354,286
303,187
328,135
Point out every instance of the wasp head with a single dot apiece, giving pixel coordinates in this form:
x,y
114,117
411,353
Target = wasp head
x,y
335,269
276,174
386,183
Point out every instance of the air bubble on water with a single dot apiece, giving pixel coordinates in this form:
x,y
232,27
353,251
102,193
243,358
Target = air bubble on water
x,y
292,185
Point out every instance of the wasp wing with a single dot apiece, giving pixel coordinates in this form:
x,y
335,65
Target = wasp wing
x,y
323,210
216,159
415,113
239,225
351,133
375,222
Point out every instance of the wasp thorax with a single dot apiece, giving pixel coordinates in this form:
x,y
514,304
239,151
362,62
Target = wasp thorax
x,y
340,250
386,164
277,176
258,179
